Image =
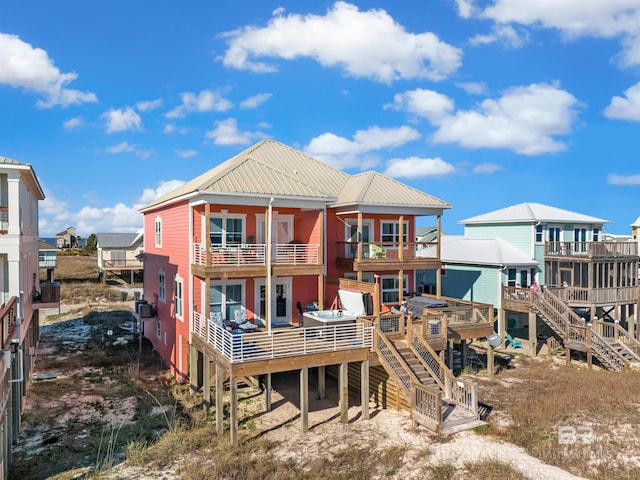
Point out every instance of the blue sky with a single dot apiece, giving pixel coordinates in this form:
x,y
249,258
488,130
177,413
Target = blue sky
x,y
484,104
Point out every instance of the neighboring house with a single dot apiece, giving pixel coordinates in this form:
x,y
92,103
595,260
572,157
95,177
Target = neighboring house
x,y
260,237
67,238
47,258
635,229
118,253
584,275
20,289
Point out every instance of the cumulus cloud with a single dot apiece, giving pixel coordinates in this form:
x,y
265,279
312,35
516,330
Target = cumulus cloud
x,y
205,101
473,88
627,107
416,167
173,128
573,18
256,100
126,147
526,119
185,153
357,153
504,34
122,119
149,105
486,168
73,123
226,132
624,180
365,44
55,214
23,66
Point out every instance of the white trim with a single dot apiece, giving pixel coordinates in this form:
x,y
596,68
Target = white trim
x,y
224,215
157,231
405,285
399,233
288,283
162,286
223,283
178,280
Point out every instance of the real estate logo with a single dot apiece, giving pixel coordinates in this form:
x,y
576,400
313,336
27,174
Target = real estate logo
x,y
572,435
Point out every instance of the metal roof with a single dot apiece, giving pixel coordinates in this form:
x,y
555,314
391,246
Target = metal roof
x,y
27,173
116,240
471,251
531,213
272,168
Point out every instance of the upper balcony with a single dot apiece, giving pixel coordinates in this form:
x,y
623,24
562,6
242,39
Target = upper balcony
x,y
372,256
246,260
590,250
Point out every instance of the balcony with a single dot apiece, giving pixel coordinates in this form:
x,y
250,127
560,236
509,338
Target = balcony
x,y
590,250
251,259
368,256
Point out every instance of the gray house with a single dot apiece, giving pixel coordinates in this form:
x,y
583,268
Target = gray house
x,y
118,253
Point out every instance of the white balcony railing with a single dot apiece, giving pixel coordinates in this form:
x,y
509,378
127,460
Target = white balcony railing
x,y
254,346
255,254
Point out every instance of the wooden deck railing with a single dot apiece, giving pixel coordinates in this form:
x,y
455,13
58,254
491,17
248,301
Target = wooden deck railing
x,y
255,254
614,332
8,315
387,251
256,346
606,295
591,249
426,407
122,264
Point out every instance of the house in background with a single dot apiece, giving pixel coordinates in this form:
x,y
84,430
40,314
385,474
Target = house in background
x,y
20,289
267,232
47,258
119,254
585,278
67,238
635,229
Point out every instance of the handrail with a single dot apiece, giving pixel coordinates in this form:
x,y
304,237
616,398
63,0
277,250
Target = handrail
x,y
393,361
459,391
8,315
426,406
616,332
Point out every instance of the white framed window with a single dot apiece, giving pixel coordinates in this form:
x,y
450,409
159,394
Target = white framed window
x,y
158,329
389,288
390,232
539,233
511,277
158,232
554,234
596,235
178,298
162,286
227,229
227,296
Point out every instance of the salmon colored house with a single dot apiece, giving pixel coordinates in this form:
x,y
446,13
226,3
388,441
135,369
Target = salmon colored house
x,y
262,238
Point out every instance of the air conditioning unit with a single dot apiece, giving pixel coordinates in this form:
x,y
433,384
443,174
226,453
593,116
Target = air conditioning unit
x,y
145,310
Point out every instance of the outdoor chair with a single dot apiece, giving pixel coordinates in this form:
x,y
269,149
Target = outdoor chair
x,y
513,342
242,322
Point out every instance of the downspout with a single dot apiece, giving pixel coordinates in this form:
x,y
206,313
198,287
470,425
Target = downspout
x,y
268,286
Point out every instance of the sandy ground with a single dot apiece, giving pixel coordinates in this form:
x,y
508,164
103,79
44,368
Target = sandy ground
x,y
326,435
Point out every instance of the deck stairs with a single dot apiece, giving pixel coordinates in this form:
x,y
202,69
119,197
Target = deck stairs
x,y
439,401
609,342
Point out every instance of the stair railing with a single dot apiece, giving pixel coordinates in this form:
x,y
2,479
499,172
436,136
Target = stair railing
x,y
617,333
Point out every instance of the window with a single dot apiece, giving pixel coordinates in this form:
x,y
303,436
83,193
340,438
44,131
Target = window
x,y
226,297
177,297
596,235
443,271
158,232
226,229
390,232
554,234
162,287
389,288
158,329
539,232
511,277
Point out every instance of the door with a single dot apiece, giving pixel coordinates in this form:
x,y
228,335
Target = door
x,y
351,235
281,233
281,301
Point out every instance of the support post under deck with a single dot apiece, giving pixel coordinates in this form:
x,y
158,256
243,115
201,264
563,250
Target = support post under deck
x,y
304,399
343,386
364,389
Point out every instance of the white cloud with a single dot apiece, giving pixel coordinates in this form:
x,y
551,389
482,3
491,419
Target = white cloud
x,y
205,101
126,147
486,168
23,66
416,167
120,120
627,107
227,133
626,180
173,128
256,100
344,153
151,194
73,123
366,44
149,105
424,103
574,19
185,153
525,119
465,8
473,88
504,34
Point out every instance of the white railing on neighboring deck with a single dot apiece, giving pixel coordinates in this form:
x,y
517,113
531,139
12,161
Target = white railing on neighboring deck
x,y
286,342
255,254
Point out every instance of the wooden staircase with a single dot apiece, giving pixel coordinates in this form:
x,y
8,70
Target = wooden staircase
x,y
575,334
439,401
